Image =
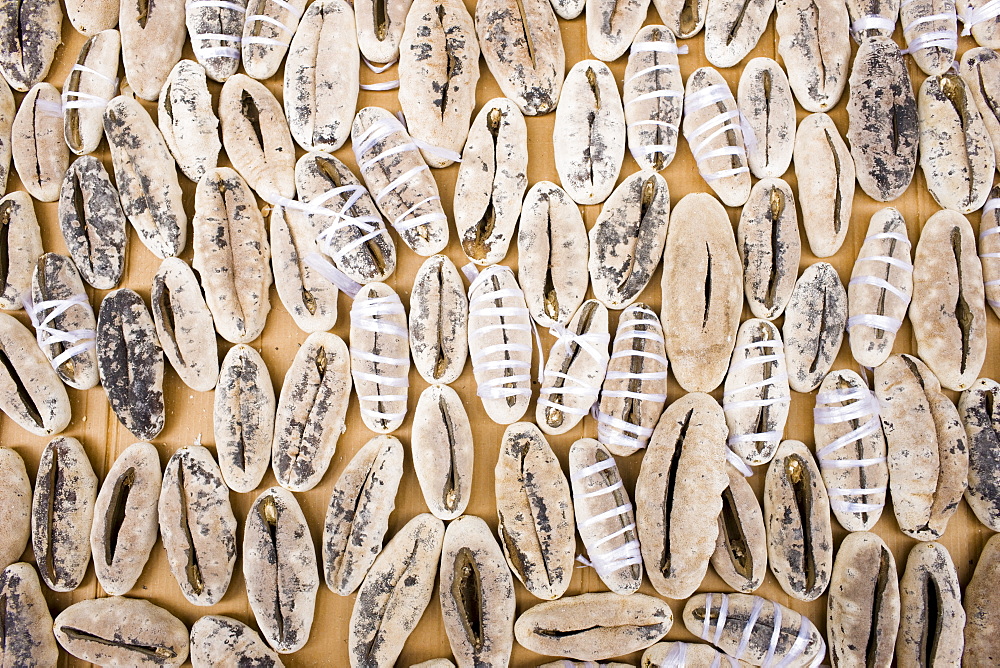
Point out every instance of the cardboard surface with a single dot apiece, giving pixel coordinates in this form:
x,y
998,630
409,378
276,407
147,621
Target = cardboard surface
x,y
189,413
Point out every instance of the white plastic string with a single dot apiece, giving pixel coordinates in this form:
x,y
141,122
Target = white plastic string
x,y
365,315
992,204
977,15
495,357
625,555
224,4
381,85
862,403
331,273
379,131
378,69
716,126
874,320
758,605
264,18
676,657
800,644
370,225
594,344
671,145
470,271
86,100
873,22
941,39
216,51
439,151
728,405
615,431
80,340
77,67
49,108
772,645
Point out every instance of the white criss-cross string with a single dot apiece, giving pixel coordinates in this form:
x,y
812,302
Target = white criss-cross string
x,y
378,69
716,126
874,320
628,553
729,405
366,314
671,145
941,39
612,430
855,403
991,205
594,344
975,16
52,109
216,51
83,100
377,132
264,18
79,340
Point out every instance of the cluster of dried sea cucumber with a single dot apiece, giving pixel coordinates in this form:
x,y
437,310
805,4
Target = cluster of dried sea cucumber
x,y
334,234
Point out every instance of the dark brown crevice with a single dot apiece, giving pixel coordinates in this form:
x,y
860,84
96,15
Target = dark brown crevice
x,y
267,509
632,406
554,417
689,16
775,210
550,296
245,370
389,588
873,647
820,336
963,312
533,503
6,219
882,292
27,401
736,22
477,245
79,208
592,140
114,518
560,633
250,111
931,632
440,357
467,590
452,64
163,305
156,653
812,16
766,85
380,18
953,89
53,479
838,194
672,474
193,569
800,480
143,10
734,537
529,44
767,372
647,195
73,85
450,495
3,619
708,285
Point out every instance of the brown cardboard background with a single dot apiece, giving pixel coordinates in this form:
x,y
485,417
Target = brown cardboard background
x,y
189,413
